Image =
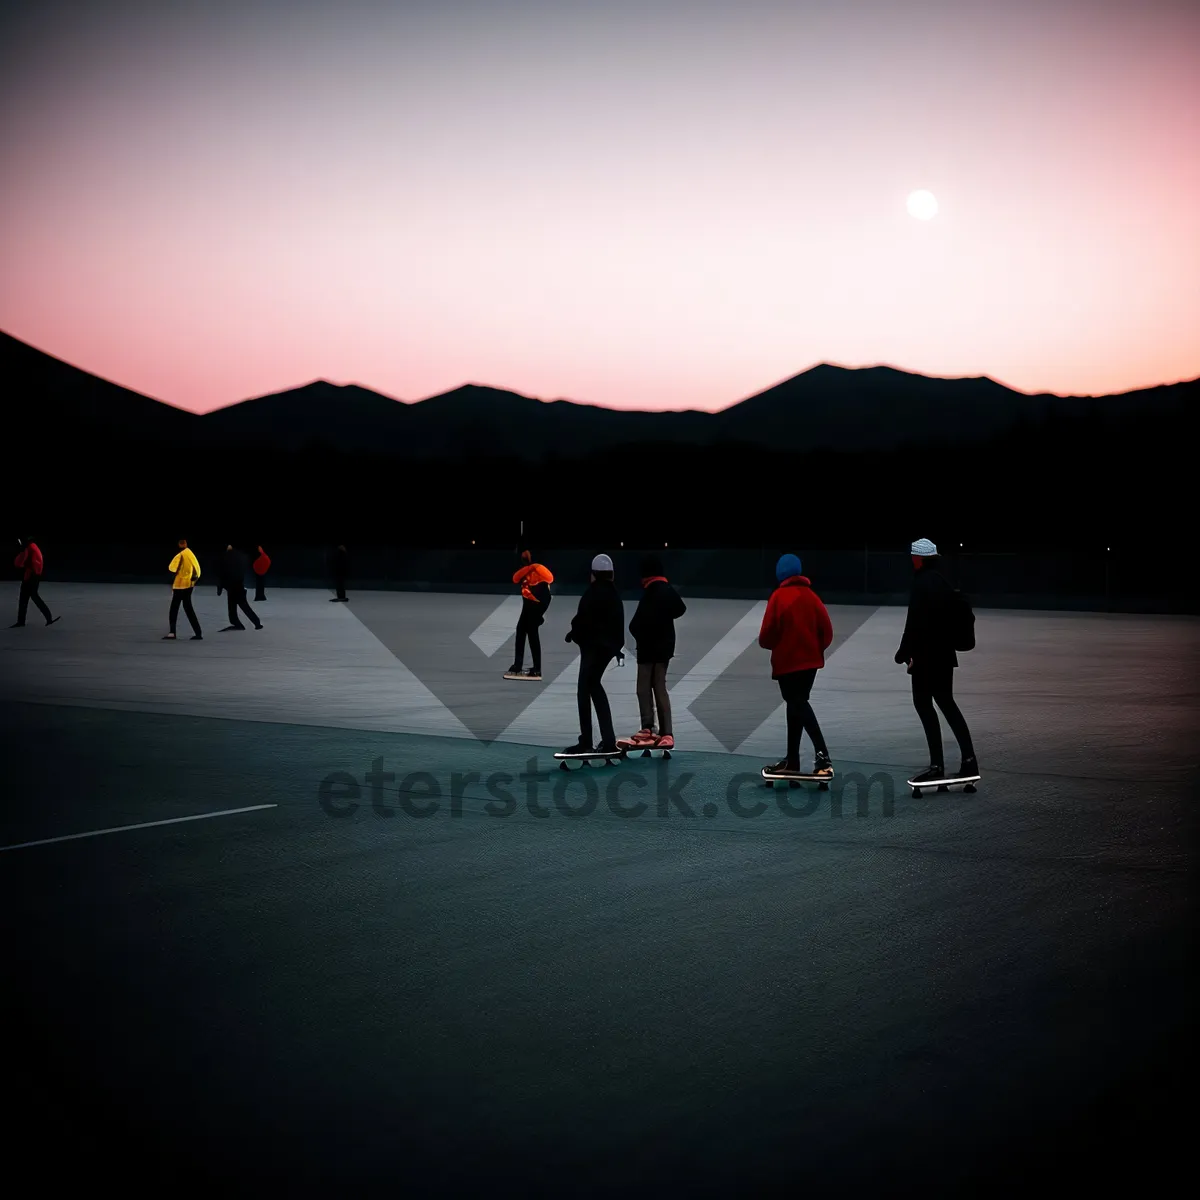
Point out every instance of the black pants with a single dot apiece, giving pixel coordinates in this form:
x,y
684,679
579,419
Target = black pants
x,y
528,624
592,665
183,596
237,599
260,583
935,685
29,591
795,689
340,584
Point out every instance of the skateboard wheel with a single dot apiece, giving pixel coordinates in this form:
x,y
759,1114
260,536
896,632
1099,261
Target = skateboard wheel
x,y
824,787
666,754
916,793
943,787
769,782
645,753
793,783
970,787
562,766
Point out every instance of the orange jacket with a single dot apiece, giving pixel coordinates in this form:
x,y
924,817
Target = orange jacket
x,y
530,577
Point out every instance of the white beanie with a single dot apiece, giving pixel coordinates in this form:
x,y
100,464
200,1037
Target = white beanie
x,y
924,548
602,563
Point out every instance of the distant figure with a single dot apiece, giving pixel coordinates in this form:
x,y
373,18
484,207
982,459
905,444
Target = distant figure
x,y
927,647
598,629
262,564
31,559
341,572
797,630
233,579
653,629
187,575
535,581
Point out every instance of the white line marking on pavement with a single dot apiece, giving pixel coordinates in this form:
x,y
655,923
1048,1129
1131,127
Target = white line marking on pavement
x,y
70,837
719,659
499,627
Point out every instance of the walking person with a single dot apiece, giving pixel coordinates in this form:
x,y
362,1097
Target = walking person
x,y
535,581
653,629
262,564
797,630
232,578
187,575
598,629
939,623
31,560
341,572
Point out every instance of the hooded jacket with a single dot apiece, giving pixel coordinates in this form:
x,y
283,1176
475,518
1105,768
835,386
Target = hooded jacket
x,y
599,623
653,624
186,568
535,581
232,571
31,559
795,628
928,637
262,564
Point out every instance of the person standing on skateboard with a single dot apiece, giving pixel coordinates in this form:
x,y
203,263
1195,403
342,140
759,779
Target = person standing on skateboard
x,y
535,581
31,560
797,630
598,629
927,648
653,629
187,575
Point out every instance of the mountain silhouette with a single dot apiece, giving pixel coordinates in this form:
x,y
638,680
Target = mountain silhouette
x,y
824,409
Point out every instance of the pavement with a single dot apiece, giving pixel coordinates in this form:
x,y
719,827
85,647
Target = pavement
x,y
310,907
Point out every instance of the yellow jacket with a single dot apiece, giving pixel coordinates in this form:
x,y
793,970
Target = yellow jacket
x,y
186,568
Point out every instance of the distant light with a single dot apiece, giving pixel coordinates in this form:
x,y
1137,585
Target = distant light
x,y
472,541
664,545
622,545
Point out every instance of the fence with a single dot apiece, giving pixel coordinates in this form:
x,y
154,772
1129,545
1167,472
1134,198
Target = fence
x,y
1069,581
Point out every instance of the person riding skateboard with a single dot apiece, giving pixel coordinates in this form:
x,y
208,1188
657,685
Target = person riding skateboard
x,y
797,630
598,629
535,581
927,649
653,630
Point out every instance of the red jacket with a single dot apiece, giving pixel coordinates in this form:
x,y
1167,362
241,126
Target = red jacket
x,y
796,628
262,564
31,559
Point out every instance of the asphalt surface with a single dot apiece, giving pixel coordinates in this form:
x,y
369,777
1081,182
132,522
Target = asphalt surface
x,y
458,985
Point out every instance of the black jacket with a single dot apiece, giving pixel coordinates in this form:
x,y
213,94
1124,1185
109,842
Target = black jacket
x,y
599,624
339,562
231,575
653,625
929,630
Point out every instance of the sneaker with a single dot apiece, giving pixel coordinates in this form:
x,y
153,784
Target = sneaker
x,y
932,775
18,625
666,742
170,637
534,673
823,766
259,625
782,768
969,769
580,747
53,619
608,748
197,637
644,737
514,672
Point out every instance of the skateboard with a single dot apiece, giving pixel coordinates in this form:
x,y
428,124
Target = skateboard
x,y
522,677
943,785
585,759
795,781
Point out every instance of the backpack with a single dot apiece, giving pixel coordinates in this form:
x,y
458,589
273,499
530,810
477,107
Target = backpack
x,y
962,622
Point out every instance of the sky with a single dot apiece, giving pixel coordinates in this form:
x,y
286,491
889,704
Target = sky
x,y
651,204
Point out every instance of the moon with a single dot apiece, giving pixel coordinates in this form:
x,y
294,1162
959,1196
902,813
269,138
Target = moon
x,y
922,205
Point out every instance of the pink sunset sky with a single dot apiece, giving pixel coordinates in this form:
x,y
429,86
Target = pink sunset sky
x,y
648,205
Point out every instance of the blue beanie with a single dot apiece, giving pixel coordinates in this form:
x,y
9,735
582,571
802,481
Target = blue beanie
x,y
786,567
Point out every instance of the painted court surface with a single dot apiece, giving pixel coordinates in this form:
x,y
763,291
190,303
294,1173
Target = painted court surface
x,y
257,967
